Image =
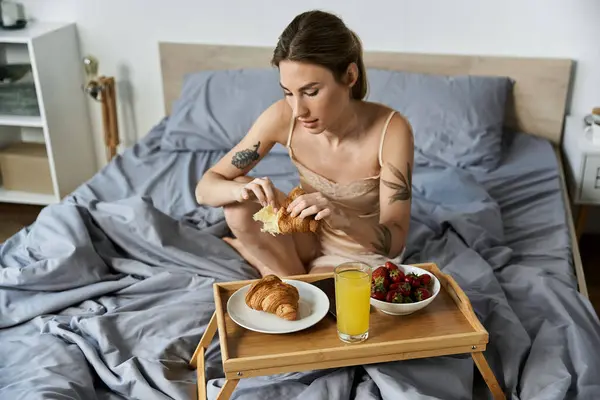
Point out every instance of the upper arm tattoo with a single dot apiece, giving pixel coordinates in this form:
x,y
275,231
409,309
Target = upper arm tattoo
x,y
244,158
403,190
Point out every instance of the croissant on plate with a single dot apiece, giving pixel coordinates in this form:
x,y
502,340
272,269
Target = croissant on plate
x,y
281,222
274,296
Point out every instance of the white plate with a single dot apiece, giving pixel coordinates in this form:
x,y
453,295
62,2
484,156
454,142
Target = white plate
x,y
312,307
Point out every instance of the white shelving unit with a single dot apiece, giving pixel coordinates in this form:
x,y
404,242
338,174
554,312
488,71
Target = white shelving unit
x,y
63,126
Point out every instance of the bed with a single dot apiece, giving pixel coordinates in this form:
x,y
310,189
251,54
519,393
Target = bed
x,y
107,294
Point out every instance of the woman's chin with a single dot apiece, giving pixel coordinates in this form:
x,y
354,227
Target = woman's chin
x,y
314,130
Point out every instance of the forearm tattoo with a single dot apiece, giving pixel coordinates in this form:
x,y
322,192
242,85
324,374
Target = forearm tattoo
x,y
383,241
403,190
244,158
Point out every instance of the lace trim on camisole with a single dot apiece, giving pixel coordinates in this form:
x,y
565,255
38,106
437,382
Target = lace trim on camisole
x,y
335,190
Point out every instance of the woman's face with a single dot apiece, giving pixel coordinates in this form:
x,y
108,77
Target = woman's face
x,y
316,98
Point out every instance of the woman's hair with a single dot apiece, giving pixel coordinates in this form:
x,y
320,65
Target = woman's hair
x,y
322,38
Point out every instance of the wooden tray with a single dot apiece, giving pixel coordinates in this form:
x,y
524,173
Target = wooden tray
x,y
447,326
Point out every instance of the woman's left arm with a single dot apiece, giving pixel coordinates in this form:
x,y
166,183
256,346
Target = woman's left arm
x,y
388,237
395,193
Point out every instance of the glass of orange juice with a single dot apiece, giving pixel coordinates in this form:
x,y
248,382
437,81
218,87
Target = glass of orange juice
x,y
352,298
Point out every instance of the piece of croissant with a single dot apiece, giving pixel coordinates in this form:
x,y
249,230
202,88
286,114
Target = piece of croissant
x,y
272,295
281,222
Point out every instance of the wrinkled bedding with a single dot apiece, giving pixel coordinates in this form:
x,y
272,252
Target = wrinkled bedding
x,y
106,295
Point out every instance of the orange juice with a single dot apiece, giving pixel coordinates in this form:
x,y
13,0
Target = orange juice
x,y
352,294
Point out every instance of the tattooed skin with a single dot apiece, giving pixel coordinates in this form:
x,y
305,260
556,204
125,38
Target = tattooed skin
x,y
244,158
403,190
383,245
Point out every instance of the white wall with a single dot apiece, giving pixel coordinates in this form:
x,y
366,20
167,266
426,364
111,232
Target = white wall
x,y
124,34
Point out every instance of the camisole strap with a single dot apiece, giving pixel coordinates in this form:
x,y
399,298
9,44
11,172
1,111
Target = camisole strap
x,y
289,140
387,122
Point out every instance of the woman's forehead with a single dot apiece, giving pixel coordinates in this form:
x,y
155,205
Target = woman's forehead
x,y
295,74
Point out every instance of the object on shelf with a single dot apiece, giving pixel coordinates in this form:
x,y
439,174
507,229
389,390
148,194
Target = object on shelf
x,y
12,15
24,167
592,129
17,91
102,89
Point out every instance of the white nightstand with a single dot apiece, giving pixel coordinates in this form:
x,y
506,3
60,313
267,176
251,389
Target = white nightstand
x,y
582,168
60,132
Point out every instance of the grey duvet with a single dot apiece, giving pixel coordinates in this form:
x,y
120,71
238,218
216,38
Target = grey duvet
x,y
106,295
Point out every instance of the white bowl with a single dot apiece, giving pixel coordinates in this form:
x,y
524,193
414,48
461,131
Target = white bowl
x,y
408,308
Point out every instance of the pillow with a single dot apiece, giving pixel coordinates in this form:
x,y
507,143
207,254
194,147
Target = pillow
x,y
456,120
217,108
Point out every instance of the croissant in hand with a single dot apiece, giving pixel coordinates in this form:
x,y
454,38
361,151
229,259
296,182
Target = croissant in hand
x,y
281,222
274,296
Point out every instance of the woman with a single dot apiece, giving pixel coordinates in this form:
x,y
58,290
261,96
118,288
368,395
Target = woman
x,y
354,159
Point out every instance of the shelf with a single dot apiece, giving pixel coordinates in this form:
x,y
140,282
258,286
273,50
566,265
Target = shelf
x,y
31,31
18,120
11,196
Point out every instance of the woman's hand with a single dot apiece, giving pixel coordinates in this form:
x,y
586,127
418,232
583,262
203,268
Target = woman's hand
x,y
260,190
318,205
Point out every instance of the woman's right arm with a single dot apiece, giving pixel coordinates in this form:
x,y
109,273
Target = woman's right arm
x,y
218,187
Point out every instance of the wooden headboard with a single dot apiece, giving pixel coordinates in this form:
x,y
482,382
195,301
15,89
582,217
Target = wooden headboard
x,y
541,91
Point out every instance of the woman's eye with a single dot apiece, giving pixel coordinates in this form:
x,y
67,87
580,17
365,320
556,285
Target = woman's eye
x,y
287,93
313,93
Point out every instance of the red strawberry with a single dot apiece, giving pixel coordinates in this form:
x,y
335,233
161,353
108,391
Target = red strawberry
x,y
404,289
422,294
381,278
394,286
378,293
413,279
396,275
394,296
425,279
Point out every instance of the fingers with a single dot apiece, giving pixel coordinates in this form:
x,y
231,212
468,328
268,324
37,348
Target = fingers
x,y
263,191
308,211
244,194
267,186
323,214
307,204
258,192
298,205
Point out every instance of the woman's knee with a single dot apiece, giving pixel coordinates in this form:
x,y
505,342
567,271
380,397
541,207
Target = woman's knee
x,y
239,216
321,270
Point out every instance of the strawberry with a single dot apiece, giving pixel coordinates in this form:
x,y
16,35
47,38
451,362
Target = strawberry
x,y
381,278
422,294
425,279
394,296
378,292
394,286
413,279
396,275
405,289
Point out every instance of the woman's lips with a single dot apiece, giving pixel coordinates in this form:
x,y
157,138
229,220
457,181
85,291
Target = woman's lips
x,y
310,123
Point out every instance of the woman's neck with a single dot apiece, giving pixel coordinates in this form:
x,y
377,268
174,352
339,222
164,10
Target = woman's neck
x,y
347,126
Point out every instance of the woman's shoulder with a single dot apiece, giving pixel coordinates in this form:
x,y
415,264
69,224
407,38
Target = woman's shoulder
x,y
397,135
387,118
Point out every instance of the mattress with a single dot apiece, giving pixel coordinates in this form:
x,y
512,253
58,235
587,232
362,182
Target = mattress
x,y
107,294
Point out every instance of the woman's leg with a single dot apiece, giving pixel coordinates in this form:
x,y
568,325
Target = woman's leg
x,y
321,270
282,255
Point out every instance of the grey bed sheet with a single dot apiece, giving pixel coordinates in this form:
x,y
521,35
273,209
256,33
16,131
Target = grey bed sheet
x,y
106,295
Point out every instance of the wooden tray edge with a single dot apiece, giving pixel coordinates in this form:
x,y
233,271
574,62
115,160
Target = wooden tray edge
x,y
219,310
474,341
457,294
235,373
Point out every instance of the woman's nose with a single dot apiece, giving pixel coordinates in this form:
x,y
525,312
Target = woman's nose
x,y
300,109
